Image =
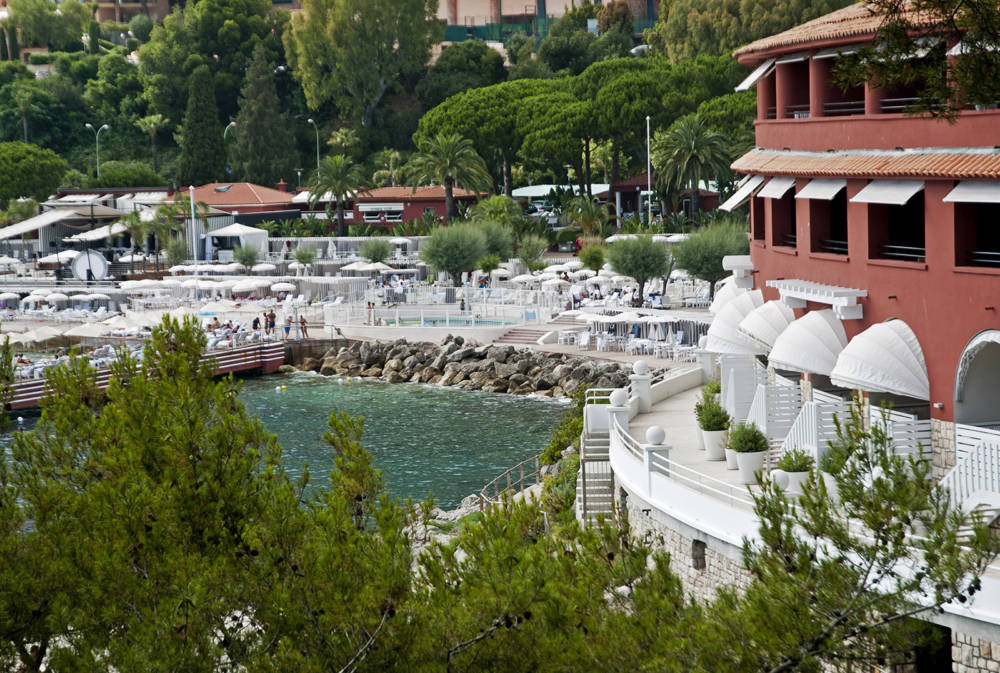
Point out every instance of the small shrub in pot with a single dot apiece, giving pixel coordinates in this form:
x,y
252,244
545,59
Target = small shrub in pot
x,y
796,461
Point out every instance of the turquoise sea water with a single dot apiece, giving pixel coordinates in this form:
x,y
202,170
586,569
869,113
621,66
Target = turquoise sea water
x,y
425,439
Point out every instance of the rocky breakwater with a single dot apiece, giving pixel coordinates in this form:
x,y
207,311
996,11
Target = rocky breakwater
x,y
469,366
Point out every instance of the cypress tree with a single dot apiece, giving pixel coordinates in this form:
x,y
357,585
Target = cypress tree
x,y
261,151
202,152
94,37
4,55
15,49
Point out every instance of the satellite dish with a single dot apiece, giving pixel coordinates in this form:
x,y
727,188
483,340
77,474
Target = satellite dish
x,y
90,265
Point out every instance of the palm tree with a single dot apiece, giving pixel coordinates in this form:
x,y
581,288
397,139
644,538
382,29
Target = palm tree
x,y
137,229
166,219
151,124
390,172
449,160
589,215
340,177
687,152
181,209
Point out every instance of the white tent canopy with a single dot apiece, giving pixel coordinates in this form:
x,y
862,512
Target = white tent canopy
x,y
727,293
250,237
98,234
764,324
724,335
884,358
810,344
61,257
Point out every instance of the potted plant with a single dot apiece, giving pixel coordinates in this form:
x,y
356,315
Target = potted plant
x,y
712,389
731,463
750,445
714,422
793,470
831,462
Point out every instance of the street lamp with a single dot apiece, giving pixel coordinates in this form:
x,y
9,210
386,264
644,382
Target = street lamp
x,y
649,179
310,120
225,133
97,141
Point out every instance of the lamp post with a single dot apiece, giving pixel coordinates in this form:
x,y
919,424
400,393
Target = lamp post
x,y
97,141
225,133
316,128
649,178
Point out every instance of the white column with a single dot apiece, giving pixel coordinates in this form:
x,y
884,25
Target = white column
x,y
654,445
641,379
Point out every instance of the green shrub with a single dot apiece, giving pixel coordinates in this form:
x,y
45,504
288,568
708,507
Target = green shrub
x,y
796,461
559,491
747,438
832,460
592,257
713,417
42,59
568,432
712,388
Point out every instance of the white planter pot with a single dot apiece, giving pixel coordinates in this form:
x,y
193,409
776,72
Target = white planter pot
x,y
713,444
790,482
748,464
731,463
832,490
701,440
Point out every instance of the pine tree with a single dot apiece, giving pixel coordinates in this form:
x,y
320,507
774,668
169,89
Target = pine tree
x,y
202,152
262,138
14,47
4,56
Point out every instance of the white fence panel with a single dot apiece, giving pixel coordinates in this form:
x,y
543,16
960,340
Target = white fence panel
x,y
969,437
910,435
976,476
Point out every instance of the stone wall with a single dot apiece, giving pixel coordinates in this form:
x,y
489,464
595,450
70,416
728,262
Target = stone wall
x,y
970,654
942,446
703,563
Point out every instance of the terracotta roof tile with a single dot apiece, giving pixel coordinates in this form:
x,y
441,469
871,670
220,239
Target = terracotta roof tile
x,y
432,193
239,194
956,164
858,20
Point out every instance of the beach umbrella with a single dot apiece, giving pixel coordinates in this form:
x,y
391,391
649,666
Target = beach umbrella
x,y
118,321
283,287
207,285
179,268
9,295
44,333
573,264
555,282
555,268
97,296
523,278
56,296
87,329
61,257
399,241
181,312
217,307
295,266
355,266
134,257
619,237
500,273
582,273
263,268
244,286
8,261
171,282
191,283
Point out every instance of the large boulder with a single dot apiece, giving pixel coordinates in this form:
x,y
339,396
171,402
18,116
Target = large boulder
x,y
309,364
428,373
329,366
393,365
396,377
372,372
504,370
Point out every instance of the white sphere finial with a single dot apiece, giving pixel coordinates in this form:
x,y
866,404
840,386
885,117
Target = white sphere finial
x,y
640,367
655,435
618,398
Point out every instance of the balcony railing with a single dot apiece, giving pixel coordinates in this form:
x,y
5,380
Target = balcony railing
x,y
982,257
791,240
833,246
897,104
797,111
906,253
843,108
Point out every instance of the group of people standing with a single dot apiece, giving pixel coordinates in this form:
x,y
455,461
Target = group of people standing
x,y
268,321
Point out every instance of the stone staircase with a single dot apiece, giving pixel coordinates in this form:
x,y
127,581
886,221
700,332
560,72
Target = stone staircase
x,y
520,335
597,489
564,321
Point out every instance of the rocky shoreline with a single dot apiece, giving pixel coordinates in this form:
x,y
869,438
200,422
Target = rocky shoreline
x,y
467,365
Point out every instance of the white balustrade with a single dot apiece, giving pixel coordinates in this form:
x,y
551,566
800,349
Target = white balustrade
x,y
975,479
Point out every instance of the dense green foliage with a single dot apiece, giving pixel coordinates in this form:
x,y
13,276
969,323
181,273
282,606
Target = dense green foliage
x,y
127,174
701,255
246,255
796,460
747,438
466,65
688,153
454,249
450,160
28,170
202,151
592,257
376,250
340,178
640,257
712,417
568,432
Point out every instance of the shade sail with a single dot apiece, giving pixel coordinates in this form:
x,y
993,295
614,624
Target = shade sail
x,y
237,229
726,293
884,358
765,324
889,192
724,336
822,188
975,191
98,234
759,72
743,193
810,344
776,188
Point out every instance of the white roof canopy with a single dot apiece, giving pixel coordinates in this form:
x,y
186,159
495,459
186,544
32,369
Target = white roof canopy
x,y
760,71
37,222
884,358
724,335
729,291
890,192
743,193
776,188
975,191
98,234
822,188
766,323
234,230
810,344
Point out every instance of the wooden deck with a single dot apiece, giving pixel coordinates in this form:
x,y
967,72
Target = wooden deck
x,y
265,358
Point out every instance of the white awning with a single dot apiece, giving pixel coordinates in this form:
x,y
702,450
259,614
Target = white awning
x,y
890,192
766,323
725,294
743,193
723,334
975,191
811,344
37,222
776,188
884,358
98,234
822,188
760,71
234,230
834,52
379,207
797,57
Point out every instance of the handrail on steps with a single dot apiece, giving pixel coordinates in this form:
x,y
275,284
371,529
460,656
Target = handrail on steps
x,y
497,485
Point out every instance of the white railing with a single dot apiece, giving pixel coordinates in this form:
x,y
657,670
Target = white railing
x,y
758,408
976,476
910,436
628,448
803,435
969,437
